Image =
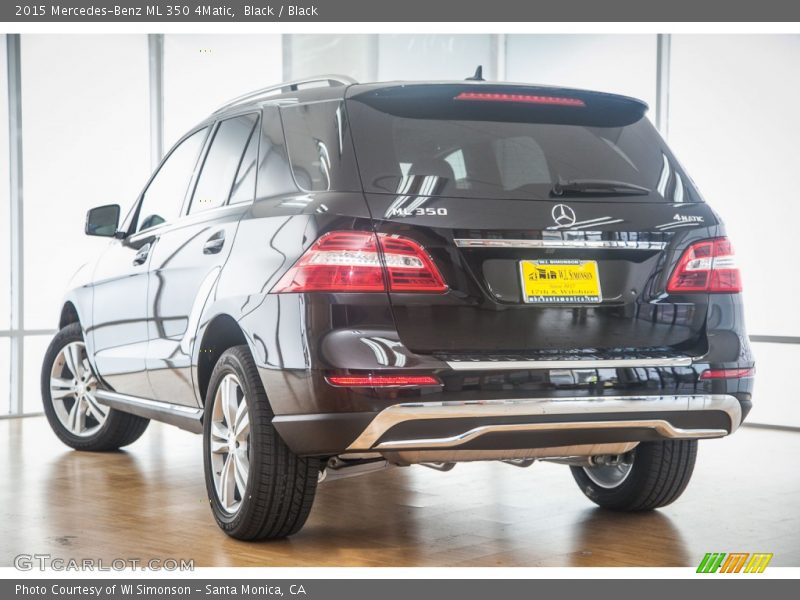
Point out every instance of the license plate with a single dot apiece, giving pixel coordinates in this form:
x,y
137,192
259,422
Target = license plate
x,y
560,281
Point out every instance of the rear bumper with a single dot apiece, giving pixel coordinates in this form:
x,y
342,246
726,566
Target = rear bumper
x,y
508,425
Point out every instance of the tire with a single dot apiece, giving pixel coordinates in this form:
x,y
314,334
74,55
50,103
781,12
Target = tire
x,y
90,426
272,497
658,475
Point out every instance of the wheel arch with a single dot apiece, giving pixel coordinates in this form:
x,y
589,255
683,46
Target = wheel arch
x,y
69,314
221,333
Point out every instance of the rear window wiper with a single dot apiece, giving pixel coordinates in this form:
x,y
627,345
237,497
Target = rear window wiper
x,y
597,186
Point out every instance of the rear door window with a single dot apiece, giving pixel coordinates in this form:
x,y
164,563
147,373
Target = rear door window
x,y
222,163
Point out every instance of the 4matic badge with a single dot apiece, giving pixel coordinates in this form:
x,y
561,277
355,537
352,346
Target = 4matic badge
x,y
688,218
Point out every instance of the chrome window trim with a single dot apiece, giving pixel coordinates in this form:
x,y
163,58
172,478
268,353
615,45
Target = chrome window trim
x,y
568,244
621,363
568,405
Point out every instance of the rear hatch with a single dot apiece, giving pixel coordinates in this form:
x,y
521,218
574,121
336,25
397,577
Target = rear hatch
x,y
555,217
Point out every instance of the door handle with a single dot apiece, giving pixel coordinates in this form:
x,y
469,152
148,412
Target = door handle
x,y
214,243
141,255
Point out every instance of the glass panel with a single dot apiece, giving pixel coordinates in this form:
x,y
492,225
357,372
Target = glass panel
x,y
314,54
202,72
35,347
86,144
733,119
434,57
164,197
5,400
405,136
4,207
621,64
222,163
319,147
773,400
244,187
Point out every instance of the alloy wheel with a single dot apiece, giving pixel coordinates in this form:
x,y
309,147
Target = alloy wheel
x,y
229,443
72,392
609,476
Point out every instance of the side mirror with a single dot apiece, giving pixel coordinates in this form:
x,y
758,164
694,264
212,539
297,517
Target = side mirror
x,y
103,220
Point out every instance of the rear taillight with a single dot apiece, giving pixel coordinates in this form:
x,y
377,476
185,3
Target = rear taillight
x,y
350,261
383,380
727,373
707,266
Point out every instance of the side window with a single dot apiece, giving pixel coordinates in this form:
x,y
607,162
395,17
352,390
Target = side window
x,y
163,199
222,163
244,186
320,149
274,176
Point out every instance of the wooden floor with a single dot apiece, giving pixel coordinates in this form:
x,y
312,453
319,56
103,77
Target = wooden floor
x,y
149,502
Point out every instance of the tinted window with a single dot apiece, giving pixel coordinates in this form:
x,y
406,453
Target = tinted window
x,y
317,137
244,186
222,163
164,196
425,140
274,173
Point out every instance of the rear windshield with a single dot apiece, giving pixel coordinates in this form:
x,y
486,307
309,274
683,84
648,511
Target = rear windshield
x,y
446,140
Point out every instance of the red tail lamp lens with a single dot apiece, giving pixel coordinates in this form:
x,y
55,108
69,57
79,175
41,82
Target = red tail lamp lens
x,y
707,266
727,373
524,98
383,380
350,261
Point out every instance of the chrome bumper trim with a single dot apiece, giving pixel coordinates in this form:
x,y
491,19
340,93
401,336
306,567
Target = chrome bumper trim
x,y
423,411
567,244
621,363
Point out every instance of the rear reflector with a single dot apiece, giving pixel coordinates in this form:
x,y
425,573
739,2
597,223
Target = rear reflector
x,y
525,98
350,261
383,380
707,266
727,373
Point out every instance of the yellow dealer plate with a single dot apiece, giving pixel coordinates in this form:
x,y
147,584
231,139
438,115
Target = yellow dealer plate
x,y
560,281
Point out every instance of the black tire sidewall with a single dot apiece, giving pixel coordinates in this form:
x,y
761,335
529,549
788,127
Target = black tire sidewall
x,y
69,334
230,363
635,493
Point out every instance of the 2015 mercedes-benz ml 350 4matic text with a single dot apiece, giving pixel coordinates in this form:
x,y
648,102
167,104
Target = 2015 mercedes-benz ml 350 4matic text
x,y
324,278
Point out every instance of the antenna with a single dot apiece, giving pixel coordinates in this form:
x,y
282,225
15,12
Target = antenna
x,y
478,75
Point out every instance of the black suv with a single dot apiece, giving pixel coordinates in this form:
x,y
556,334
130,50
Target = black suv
x,y
325,278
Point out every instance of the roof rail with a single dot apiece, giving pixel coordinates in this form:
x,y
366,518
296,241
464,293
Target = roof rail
x,y
289,86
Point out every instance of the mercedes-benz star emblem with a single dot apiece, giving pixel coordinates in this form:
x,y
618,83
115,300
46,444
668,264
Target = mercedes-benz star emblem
x,y
563,215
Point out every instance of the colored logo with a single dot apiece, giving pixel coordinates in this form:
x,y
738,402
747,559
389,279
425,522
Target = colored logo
x,y
735,562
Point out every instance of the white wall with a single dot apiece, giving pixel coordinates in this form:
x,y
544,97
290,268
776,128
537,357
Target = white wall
x,y
85,122
202,72
431,56
4,207
352,55
623,64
